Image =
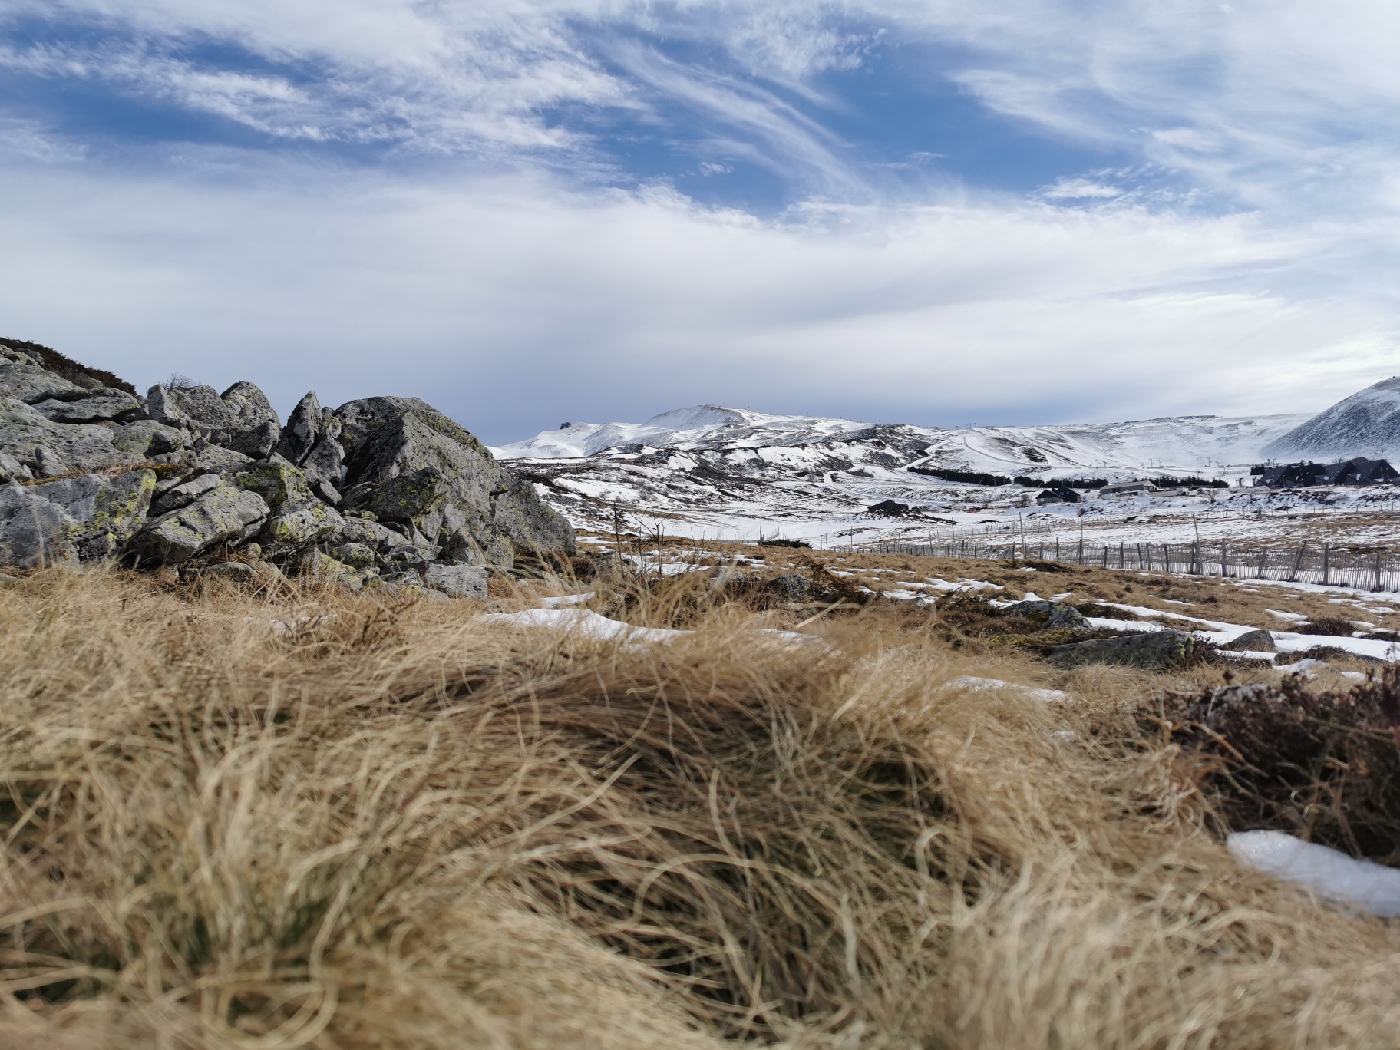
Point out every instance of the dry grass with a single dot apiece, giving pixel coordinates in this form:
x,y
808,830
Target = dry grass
x,y
314,820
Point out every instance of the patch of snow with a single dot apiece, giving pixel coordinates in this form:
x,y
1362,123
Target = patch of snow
x,y
568,599
1126,626
980,685
1331,875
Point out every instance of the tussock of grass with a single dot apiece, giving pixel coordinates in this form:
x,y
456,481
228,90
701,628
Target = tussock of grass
x,y
389,826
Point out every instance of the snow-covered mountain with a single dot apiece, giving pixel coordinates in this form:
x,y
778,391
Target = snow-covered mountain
x,y
1188,444
742,471
1365,424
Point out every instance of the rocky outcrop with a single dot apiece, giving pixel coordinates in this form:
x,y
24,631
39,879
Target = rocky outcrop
x,y
241,418
409,465
383,491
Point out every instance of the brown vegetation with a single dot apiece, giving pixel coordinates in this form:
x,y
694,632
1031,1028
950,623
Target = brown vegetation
x,y
310,819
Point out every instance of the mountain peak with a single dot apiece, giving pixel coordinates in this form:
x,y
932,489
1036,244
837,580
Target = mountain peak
x,y
1365,424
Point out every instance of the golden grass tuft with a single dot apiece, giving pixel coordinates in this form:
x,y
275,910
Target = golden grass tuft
x,y
311,819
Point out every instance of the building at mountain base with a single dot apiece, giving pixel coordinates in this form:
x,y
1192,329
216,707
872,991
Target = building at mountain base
x,y
1358,471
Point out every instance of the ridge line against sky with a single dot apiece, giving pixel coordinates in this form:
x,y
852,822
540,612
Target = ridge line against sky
x,y
922,211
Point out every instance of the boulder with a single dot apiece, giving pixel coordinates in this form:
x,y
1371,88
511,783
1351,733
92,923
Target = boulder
x,y
224,514
322,566
1259,641
103,406
172,495
302,431
457,581
144,438
44,448
293,528
792,587
235,572
1157,651
1052,615
277,482
25,380
412,466
85,518
241,418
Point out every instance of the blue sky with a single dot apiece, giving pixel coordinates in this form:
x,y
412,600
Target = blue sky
x,y
922,210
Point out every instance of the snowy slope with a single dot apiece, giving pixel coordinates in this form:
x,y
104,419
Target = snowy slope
x,y
1365,424
710,470
680,427
1188,443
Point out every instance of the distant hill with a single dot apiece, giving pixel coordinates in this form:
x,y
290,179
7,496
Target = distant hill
x,y
1365,424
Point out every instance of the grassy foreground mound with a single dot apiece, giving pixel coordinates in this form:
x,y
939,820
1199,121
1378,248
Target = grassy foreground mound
x,y
317,820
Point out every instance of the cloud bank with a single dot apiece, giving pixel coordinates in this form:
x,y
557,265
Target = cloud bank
x,y
598,208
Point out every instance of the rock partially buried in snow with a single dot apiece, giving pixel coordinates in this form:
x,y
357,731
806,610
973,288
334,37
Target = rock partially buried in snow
x,y
1053,615
1256,641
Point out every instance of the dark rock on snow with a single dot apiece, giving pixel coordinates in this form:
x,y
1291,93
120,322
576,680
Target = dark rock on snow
x,y
383,490
1157,651
1258,641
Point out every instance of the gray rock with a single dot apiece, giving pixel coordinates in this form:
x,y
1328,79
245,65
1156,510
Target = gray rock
x,y
235,572
100,407
277,482
32,530
371,534
359,555
172,495
1053,615
25,380
1157,651
792,587
45,448
1259,641
302,431
223,515
12,469
241,418
411,465
294,527
319,565
145,438
458,581
87,518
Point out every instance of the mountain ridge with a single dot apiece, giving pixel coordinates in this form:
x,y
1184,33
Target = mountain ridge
x,y
1365,424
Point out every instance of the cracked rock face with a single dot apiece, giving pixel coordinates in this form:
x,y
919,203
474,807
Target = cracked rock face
x,y
385,491
87,518
241,418
409,464
224,515
39,447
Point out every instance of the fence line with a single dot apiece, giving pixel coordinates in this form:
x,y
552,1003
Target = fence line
x,y
1325,564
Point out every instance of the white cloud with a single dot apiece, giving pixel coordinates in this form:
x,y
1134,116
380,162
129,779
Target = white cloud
x,y
513,301
1260,284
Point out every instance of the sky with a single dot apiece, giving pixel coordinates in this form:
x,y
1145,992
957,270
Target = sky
x,y
938,212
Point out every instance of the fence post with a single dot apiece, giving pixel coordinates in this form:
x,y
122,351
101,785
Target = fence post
x,y
1297,563
1326,564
